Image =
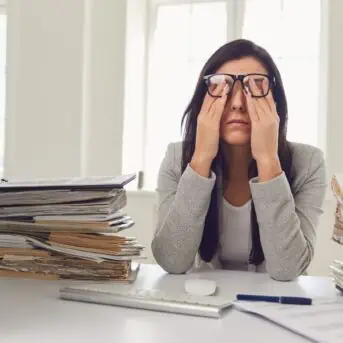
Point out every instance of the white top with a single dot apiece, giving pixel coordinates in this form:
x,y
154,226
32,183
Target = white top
x,y
235,235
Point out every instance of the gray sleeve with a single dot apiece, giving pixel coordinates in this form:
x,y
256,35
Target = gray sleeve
x,y
182,207
288,221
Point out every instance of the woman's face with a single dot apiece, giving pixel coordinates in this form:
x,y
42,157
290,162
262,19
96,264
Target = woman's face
x,y
235,127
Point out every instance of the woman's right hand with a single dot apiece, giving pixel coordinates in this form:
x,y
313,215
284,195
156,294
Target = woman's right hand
x,y
208,126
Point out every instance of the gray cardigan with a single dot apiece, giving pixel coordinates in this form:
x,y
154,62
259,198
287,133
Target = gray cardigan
x,y
287,221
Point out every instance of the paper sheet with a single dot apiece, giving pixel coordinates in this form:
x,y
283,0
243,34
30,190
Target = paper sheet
x,y
70,182
321,322
14,241
69,251
103,207
119,215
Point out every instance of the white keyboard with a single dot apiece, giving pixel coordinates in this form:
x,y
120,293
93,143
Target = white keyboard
x,y
155,300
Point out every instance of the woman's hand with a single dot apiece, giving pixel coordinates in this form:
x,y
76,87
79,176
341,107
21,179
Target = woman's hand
x,y
264,133
207,136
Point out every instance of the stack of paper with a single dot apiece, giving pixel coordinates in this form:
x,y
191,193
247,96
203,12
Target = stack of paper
x,y
337,235
66,228
337,189
337,274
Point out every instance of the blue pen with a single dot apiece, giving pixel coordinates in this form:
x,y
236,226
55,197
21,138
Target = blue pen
x,y
276,299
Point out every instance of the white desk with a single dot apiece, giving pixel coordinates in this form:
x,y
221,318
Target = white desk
x,y
31,312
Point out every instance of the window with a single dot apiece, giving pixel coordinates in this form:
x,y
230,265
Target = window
x,y
181,44
182,34
295,47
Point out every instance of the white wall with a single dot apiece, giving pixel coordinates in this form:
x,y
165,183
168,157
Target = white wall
x,y
142,208
335,74
44,94
104,91
326,249
66,62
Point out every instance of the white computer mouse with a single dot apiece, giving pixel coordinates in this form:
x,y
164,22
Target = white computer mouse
x,y
200,287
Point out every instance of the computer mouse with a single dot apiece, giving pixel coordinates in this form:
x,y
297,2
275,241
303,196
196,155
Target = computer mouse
x,y
200,287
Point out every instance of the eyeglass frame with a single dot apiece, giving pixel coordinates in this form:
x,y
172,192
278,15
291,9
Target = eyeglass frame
x,y
240,78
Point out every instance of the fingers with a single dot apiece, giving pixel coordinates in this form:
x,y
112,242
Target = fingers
x,y
272,112
218,89
260,103
216,109
218,92
220,104
207,103
270,101
209,100
264,106
252,111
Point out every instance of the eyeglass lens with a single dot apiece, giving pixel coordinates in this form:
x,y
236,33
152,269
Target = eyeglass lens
x,y
261,81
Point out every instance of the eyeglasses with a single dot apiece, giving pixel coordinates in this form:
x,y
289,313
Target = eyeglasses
x,y
262,81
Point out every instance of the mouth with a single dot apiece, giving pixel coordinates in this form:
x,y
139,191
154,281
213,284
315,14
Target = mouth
x,y
238,122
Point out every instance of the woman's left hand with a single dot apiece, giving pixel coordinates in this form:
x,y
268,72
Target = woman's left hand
x,y
264,133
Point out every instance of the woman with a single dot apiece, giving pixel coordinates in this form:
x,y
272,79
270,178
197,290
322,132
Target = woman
x,y
236,194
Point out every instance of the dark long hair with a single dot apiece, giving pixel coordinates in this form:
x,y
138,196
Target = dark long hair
x,y
232,51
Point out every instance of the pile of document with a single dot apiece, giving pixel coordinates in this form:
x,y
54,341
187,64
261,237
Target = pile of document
x,y
67,229
337,236
337,274
337,189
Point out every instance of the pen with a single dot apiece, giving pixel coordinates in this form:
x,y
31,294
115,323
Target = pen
x,y
276,299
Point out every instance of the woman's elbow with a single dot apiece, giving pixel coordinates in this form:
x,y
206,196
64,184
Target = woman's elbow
x,y
288,268
168,261
283,275
286,272
173,269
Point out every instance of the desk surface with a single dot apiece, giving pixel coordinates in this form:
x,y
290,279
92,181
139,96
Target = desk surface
x,y
31,312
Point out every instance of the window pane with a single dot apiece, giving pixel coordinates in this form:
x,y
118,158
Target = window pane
x,y
294,43
302,95
185,37
263,27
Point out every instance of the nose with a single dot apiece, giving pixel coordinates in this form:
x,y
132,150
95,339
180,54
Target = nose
x,y
237,99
